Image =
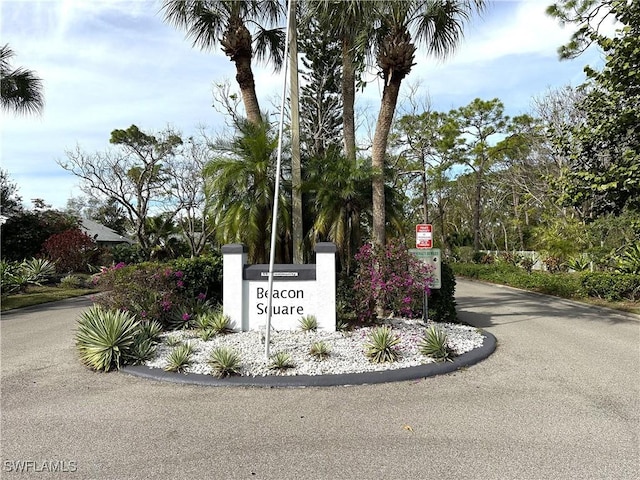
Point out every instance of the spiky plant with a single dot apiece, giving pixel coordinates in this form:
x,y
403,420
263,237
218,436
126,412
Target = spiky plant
x,y
380,345
281,361
206,334
308,323
173,341
71,281
143,349
38,269
224,362
201,321
150,330
104,337
221,323
180,358
319,350
435,344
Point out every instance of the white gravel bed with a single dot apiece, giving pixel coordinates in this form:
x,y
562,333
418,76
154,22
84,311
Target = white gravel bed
x,y
346,349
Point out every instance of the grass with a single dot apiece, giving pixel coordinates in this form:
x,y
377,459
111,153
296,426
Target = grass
x,y
38,295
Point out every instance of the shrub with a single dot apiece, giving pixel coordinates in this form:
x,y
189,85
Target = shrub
x,y
71,281
434,344
561,284
215,322
611,286
380,345
224,362
180,358
442,301
281,361
126,253
345,300
72,250
554,264
390,278
202,276
149,330
105,337
173,341
143,349
629,260
16,277
152,291
319,350
308,323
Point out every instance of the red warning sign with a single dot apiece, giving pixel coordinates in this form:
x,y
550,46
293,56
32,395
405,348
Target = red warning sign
x,y
424,235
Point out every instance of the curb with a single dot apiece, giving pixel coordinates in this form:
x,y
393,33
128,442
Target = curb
x,y
364,378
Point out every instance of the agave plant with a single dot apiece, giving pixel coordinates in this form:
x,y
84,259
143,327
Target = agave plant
x,y
104,337
629,260
308,323
224,362
143,349
172,340
281,361
150,330
319,350
435,344
180,358
38,269
381,343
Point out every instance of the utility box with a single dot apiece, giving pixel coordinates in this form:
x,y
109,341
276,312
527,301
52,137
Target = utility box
x,y
432,257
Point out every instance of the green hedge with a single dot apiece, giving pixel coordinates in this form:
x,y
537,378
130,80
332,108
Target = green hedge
x,y
560,284
202,275
442,302
611,286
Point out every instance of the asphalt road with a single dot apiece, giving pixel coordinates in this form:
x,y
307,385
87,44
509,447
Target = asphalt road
x,y
559,399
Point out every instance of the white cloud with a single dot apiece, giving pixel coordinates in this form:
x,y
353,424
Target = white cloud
x,y
107,64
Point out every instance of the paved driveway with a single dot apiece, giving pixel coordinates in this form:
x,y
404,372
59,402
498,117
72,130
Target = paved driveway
x,y
558,399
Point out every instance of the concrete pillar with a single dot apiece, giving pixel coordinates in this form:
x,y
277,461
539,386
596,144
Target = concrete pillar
x,y
234,258
326,286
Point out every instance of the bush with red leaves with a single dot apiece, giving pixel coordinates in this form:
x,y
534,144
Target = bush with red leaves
x,y
72,250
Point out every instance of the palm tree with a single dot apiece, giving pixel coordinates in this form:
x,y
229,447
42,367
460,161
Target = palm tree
x,y
225,22
241,185
438,24
340,191
21,88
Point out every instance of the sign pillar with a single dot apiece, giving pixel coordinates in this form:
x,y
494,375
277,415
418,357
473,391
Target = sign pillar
x,y
234,258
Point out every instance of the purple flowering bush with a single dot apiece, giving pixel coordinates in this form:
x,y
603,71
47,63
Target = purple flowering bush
x,y
390,278
150,291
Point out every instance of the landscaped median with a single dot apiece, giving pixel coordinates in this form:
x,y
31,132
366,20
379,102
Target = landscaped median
x,y
395,349
348,361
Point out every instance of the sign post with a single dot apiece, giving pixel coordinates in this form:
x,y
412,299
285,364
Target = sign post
x,y
429,256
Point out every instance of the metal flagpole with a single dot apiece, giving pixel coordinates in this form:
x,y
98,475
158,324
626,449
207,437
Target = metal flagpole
x,y
274,214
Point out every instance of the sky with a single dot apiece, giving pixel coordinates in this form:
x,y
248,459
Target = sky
x,y
108,64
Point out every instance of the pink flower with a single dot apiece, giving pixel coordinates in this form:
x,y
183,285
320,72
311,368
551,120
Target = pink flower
x,y
186,317
179,274
180,283
202,297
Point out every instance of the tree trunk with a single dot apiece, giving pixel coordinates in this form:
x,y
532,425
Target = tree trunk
x,y
477,205
348,100
378,154
244,77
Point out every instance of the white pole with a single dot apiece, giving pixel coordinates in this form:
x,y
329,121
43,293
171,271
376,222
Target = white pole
x,y
274,214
